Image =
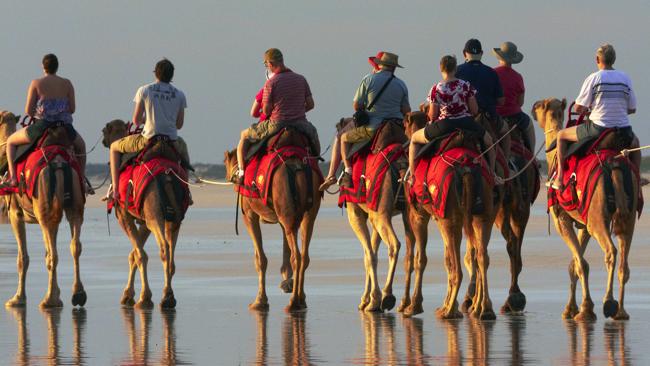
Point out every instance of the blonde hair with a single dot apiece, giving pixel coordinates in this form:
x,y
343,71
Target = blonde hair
x,y
606,54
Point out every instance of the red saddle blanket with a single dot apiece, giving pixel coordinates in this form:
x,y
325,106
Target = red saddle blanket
x,y
29,168
583,172
135,178
368,174
434,175
259,170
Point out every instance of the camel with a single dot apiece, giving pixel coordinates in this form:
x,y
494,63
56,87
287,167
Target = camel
x,y
47,209
549,113
151,220
477,227
380,219
295,211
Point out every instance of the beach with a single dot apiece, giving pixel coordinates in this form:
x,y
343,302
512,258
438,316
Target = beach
x,y
216,279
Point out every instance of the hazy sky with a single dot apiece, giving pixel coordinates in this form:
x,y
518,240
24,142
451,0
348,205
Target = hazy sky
x,y
109,48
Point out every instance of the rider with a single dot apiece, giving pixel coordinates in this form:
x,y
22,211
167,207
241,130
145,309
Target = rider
x,y
50,100
452,105
393,104
513,91
608,94
345,125
161,107
286,99
489,93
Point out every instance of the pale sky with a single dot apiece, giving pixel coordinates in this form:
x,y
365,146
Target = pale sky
x,y
109,48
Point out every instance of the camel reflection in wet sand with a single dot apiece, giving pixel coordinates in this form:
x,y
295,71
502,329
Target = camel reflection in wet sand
x,y
139,352
580,341
52,318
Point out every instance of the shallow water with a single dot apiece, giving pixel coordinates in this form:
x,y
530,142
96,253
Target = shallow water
x,y
215,280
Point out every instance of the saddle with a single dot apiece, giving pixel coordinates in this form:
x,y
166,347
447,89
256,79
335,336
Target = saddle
x,y
285,136
391,131
158,147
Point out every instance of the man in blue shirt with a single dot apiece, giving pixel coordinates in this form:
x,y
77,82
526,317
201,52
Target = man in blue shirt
x,y
482,77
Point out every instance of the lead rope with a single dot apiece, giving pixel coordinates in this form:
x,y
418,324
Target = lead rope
x,y
494,144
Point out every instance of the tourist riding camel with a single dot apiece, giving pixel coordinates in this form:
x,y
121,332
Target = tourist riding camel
x,y
160,106
380,105
285,100
607,96
513,92
50,101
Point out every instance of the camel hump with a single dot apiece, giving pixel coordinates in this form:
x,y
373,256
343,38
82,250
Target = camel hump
x,y
160,149
288,136
390,132
57,135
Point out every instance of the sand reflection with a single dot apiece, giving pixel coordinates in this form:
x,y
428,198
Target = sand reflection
x,y
22,346
261,340
614,337
580,341
138,338
296,349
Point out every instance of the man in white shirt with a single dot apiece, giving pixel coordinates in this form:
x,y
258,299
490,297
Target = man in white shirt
x,y
608,95
161,107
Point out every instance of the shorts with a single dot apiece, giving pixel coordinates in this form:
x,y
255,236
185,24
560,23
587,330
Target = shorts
x,y
358,134
446,126
135,143
36,129
260,131
589,131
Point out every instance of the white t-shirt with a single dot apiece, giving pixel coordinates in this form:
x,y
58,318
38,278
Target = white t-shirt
x,y
162,103
609,95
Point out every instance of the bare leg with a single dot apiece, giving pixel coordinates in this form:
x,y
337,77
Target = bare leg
x,y
567,134
242,147
17,138
115,157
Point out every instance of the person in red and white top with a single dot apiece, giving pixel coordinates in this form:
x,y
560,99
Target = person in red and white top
x,y
452,105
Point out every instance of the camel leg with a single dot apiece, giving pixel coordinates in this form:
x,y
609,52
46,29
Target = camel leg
x,y
470,265
78,292
419,226
52,298
624,243
571,308
480,237
600,231
385,229
580,266
452,233
408,263
516,301
252,221
166,234
296,264
287,281
22,260
140,236
306,231
371,298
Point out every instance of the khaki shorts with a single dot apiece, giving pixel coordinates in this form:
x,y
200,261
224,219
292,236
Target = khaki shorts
x,y
358,134
137,142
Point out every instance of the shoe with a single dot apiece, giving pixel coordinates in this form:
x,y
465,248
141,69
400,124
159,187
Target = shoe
x,y
237,177
346,180
329,181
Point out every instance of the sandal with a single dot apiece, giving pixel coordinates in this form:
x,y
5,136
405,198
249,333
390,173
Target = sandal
x,y
329,181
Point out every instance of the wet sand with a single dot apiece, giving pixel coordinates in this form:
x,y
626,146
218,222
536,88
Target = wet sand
x,y
215,280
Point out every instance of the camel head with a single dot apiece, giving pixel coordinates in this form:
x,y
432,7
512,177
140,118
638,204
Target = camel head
x,y
414,121
113,131
8,122
230,161
549,113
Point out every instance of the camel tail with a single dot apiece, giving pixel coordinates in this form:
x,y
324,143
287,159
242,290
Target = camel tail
x,y
172,195
59,184
467,199
622,199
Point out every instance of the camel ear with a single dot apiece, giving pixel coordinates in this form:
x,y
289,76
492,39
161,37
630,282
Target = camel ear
x,y
563,104
18,118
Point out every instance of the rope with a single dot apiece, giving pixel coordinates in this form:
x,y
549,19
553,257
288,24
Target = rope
x,y
108,175
624,152
212,182
183,180
534,158
495,144
91,149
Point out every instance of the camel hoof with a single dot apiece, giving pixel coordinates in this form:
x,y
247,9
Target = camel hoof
x,y
16,302
516,301
412,310
388,302
403,305
50,304
294,307
466,306
287,286
621,315
169,302
570,312
259,306
444,315
362,305
586,316
127,300
144,304
610,308
487,315
79,298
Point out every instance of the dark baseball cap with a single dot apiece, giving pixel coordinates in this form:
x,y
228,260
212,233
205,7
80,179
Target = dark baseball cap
x,y
473,46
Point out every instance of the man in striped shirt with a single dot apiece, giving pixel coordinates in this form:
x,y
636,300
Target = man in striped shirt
x,y
608,95
286,99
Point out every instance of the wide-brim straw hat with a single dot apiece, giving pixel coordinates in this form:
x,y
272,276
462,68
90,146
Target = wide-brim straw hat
x,y
388,59
508,53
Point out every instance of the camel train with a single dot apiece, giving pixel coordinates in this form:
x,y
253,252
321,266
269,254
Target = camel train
x,y
452,187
